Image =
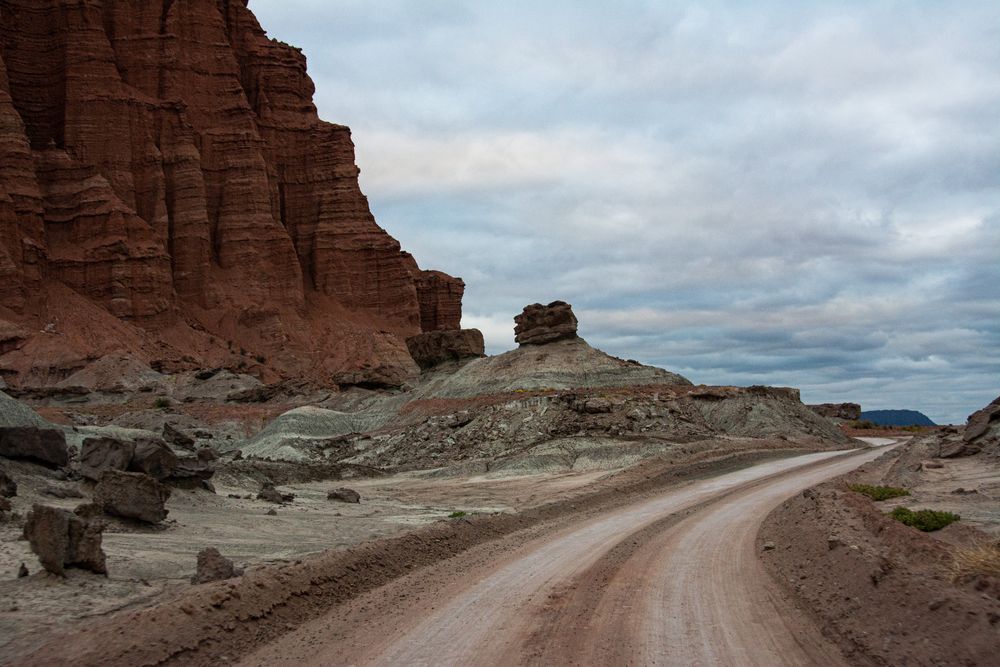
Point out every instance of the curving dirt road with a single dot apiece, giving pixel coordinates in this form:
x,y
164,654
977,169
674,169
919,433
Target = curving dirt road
x,y
673,579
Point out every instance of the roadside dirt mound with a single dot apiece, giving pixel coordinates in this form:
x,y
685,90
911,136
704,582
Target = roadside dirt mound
x,y
881,589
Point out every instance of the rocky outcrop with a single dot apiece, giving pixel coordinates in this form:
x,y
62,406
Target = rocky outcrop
x,y
539,325
64,539
439,296
841,411
981,434
132,495
43,445
437,347
166,164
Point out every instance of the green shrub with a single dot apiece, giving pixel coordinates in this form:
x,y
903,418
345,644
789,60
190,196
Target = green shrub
x,y
456,515
925,520
879,492
162,402
864,424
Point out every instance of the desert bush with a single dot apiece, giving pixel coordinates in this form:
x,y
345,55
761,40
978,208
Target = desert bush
x,y
864,424
925,520
161,403
878,492
458,514
975,561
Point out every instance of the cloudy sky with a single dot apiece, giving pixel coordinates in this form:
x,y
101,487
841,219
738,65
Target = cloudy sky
x,y
802,194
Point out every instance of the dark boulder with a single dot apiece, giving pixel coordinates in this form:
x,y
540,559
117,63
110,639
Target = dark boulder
x,y
44,445
99,455
344,495
213,566
153,457
64,539
132,495
272,495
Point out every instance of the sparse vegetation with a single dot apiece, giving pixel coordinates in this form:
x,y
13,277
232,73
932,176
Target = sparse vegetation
x,y
976,561
864,424
878,492
925,520
458,514
161,403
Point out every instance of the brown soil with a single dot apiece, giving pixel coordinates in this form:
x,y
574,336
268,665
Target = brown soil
x,y
883,590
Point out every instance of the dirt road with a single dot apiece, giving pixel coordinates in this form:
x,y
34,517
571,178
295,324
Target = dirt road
x,y
673,579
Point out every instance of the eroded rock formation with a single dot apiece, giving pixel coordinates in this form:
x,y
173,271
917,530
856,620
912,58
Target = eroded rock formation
x,y
164,161
437,347
538,324
842,411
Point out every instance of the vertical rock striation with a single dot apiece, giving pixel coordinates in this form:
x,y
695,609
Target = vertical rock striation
x,y
165,161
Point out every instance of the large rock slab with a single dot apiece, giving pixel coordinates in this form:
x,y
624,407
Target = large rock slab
x,y
132,495
154,458
43,445
437,347
64,539
99,455
538,324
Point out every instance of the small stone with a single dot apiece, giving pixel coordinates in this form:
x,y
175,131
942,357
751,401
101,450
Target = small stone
x,y
344,495
272,512
22,571
768,546
213,566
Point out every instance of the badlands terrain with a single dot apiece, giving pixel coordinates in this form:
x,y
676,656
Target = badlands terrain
x,y
239,424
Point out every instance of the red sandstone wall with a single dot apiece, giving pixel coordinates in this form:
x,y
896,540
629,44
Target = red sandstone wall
x,y
165,161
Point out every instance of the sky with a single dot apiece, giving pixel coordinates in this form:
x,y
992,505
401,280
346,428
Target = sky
x,y
798,194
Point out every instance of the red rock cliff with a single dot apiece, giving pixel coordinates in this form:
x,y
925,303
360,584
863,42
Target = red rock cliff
x,y
165,162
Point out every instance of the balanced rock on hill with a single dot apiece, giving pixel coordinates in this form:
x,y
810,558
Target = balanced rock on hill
x,y
538,324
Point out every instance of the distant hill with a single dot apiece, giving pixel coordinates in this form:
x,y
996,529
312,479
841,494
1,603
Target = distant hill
x,y
897,418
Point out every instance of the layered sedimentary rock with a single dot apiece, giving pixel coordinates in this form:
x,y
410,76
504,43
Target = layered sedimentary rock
x,y
842,411
538,324
437,347
438,295
165,161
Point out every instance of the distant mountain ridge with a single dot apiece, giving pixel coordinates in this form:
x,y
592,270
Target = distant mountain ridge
x,y
897,418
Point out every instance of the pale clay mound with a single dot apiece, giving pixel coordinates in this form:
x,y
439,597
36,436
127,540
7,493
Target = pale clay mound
x,y
288,437
564,364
